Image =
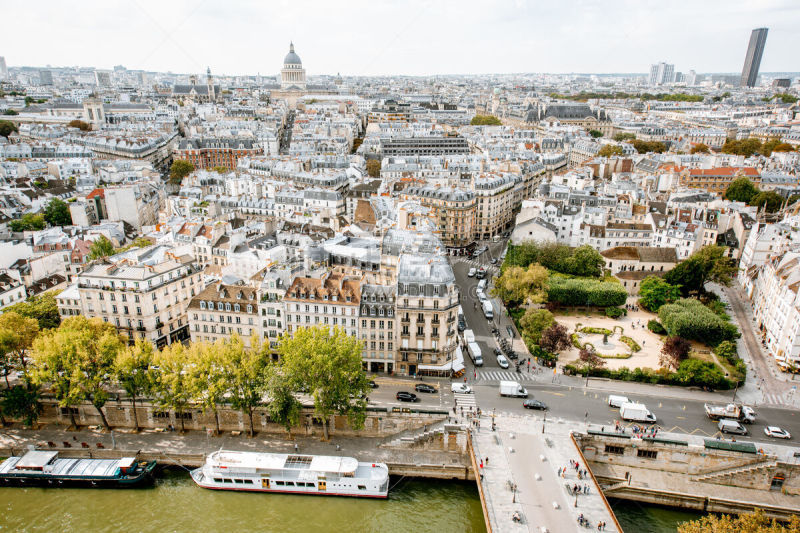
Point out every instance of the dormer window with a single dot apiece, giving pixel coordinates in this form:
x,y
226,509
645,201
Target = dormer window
x,y
347,299
227,306
202,305
236,307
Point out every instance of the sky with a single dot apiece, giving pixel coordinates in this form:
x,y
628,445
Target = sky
x,y
411,37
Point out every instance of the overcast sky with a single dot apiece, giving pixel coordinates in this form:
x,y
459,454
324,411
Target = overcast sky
x,y
417,37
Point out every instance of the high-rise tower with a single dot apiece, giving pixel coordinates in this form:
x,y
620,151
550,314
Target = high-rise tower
x,y
752,61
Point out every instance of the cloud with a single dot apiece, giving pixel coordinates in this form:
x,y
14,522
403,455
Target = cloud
x,y
414,37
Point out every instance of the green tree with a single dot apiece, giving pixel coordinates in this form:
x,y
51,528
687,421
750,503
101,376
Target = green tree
x,y
707,264
56,213
374,168
172,383
221,170
17,334
655,292
769,146
133,370
783,147
700,148
645,147
21,403
42,307
7,128
690,319
619,137
179,169
102,247
81,125
741,190
485,120
534,322
610,150
517,285
745,147
792,199
585,261
769,200
328,364
596,133
283,407
755,522
77,360
28,222
245,374
208,376
29,100
10,112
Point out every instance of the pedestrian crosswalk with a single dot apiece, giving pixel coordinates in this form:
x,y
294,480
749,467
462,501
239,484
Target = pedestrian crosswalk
x,y
505,375
774,398
465,400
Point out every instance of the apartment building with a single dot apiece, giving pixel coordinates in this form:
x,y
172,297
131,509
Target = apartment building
x,y
452,210
716,179
271,306
331,300
776,307
496,201
221,310
377,327
425,145
11,291
221,152
427,305
145,292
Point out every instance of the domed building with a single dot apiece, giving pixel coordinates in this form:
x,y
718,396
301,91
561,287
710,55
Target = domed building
x,y
293,75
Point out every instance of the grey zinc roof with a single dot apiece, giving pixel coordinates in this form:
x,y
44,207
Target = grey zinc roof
x,y
427,268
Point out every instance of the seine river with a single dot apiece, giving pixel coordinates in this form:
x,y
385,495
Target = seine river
x,y
177,505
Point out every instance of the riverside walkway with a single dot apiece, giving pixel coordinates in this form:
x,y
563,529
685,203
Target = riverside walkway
x,y
520,474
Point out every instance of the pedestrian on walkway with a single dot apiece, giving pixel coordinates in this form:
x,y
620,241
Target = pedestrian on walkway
x,y
487,461
296,447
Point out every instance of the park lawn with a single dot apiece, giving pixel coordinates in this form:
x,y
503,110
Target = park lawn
x,y
727,369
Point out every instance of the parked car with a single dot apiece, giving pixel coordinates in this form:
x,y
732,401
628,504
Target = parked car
x,y
731,426
462,324
460,387
472,272
777,433
494,261
404,396
511,354
373,384
424,387
481,273
502,361
534,404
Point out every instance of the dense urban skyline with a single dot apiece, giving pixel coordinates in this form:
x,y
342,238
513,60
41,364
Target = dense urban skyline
x,y
414,38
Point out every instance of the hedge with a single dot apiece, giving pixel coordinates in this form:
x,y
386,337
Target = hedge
x,y
599,331
632,344
656,327
615,312
690,319
686,375
585,291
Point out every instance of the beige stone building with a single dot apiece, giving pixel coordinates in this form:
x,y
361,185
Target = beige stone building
x,y
332,300
220,311
496,196
452,210
145,292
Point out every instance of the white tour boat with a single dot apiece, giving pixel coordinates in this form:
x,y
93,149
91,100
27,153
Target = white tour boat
x,y
296,474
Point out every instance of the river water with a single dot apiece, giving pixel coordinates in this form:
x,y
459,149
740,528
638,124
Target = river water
x,y
177,505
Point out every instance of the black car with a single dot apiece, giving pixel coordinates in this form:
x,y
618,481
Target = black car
x,y
424,387
497,352
462,325
404,396
534,404
511,354
373,385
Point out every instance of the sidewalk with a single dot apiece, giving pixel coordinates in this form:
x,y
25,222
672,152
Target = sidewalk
x,y
520,455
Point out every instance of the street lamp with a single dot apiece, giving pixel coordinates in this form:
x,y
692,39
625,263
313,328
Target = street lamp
x,y
736,388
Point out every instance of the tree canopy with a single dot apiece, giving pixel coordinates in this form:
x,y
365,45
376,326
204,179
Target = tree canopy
x,y
596,133
179,169
28,222
741,190
102,247
328,364
533,323
133,369
610,150
583,261
655,292
709,263
42,307
585,291
56,213
7,128
485,120
769,200
645,147
619,137
517,285
81,125
756,522
690,319
77,360
699,148
374,168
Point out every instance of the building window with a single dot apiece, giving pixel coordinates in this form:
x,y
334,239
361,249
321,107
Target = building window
x,y
648,454
616,450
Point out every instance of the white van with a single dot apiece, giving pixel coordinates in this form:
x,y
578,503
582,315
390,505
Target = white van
x,y
617,401
731,426
636,412
482,285
488,310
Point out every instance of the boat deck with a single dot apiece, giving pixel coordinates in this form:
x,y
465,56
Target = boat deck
x,y
95,468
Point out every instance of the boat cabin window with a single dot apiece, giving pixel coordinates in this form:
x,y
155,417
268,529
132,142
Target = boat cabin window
x,y
218,480
239,481
280,483
226,480
362,487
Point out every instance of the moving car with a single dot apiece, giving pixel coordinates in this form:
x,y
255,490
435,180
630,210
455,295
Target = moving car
x,y
776,432
373,385
481,273
636,412
472,272
731,426
502,361
494,261
404,396
534,404
463,388
424,387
